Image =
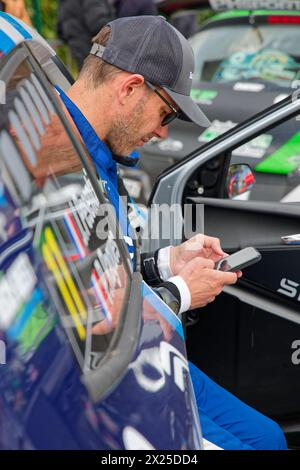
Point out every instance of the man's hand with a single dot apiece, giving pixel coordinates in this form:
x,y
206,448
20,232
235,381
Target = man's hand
x,y
200,246
205,282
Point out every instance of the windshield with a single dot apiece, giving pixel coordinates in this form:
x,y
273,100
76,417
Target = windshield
x,y
244,52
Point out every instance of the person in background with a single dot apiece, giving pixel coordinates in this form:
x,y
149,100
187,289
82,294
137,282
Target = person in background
x,y
16,8
135,7
78,21
186,21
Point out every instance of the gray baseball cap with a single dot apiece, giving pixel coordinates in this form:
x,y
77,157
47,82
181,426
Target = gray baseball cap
x,y
150,46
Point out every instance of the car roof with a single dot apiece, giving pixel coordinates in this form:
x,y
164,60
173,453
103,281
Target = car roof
x,y
14,31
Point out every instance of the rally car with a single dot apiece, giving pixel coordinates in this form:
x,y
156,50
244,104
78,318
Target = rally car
x,y
86,347
246,60
89,348
248,340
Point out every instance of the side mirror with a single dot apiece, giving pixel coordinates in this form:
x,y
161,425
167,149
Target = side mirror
x,y
240,180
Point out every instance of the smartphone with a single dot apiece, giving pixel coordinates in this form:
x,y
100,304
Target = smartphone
x,y
239,260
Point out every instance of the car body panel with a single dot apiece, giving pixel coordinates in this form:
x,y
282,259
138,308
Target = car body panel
x,y
249,335
65,381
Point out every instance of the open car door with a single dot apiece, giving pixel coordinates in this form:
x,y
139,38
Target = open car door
x,y
248,340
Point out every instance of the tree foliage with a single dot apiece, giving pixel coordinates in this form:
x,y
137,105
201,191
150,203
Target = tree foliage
x,y
48,14
49,18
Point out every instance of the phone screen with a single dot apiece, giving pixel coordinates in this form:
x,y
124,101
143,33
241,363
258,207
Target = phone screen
x,y
239,260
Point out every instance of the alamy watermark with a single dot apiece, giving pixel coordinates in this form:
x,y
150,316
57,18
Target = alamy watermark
x,y
158,222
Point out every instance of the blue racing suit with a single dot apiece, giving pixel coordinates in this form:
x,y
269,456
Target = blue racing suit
x,y
225,420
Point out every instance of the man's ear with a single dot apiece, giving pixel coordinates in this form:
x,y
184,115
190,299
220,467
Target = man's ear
x,y
131,85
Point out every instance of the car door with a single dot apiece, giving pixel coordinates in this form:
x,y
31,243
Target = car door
x,y
90,348
248,339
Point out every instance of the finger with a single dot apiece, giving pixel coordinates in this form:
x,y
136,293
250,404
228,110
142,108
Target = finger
x,y
216,246
216,257
239,274
226,278
231,278
195,243
204,263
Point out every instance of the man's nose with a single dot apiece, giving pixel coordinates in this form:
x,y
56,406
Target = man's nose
x,y
161,132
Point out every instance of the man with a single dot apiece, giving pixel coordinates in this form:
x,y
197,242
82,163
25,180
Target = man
x,y
135,81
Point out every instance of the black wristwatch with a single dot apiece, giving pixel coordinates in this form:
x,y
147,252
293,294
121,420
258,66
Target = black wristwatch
x,y
149,269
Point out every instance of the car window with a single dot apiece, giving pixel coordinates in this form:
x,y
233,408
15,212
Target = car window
x,y
54,201
274,157
244,52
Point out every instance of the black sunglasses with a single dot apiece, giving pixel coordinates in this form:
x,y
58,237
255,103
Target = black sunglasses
x,y
171,116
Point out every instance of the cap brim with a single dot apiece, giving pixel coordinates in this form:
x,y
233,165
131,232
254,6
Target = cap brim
x,y
190,110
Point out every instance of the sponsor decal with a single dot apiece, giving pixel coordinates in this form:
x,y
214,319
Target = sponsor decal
x,y
215,129
134,440
84,208
256,148
174,363
106,267
20,274
101,296
167,361
285,160
32,326
75,235
296,355
105,277
65,283
292,5
289,289
203,96
251,87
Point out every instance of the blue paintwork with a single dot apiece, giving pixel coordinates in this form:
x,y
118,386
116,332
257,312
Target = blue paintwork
x,y
46,388
43,402
17,25
7,44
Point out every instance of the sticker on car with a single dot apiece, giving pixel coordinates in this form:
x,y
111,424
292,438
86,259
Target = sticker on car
x,y
216,129
203,96
293,5
256,148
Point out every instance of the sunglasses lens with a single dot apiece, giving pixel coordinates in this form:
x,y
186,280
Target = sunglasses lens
x,y
168,119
